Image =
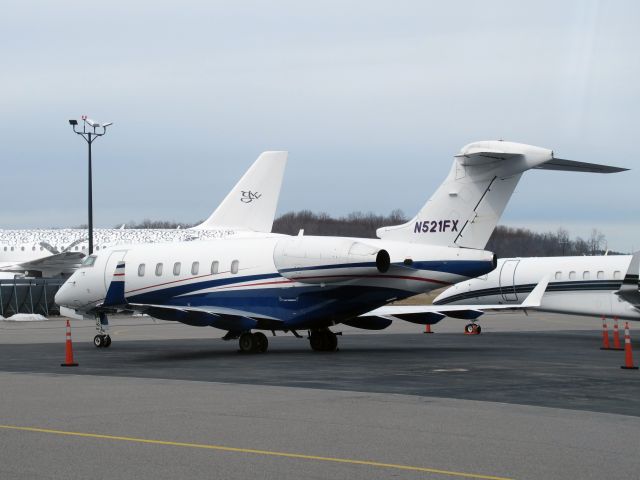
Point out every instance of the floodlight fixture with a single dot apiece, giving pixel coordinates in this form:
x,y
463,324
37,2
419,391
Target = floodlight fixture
x,y
73,122
92,123
105,125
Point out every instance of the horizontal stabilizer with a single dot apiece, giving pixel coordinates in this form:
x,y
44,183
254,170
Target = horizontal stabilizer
x,y
573,166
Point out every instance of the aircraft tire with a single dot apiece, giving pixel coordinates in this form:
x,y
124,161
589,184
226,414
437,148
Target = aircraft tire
x,y
107,341
478,329
469,328
318,341
98,341
261,342
331,341
247,342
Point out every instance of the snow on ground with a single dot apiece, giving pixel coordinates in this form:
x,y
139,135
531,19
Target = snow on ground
x,y
25,317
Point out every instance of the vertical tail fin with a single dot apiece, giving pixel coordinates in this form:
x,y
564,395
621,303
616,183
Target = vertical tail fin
x,y
465,209
251,204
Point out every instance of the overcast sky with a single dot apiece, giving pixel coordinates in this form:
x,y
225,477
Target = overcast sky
x,y
371,99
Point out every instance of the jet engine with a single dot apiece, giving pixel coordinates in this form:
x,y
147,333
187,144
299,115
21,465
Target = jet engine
x,y
316,260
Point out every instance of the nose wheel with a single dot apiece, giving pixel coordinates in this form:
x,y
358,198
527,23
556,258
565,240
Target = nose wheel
x,y
102,341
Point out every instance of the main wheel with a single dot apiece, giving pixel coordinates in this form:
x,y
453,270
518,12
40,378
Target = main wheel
x,y
318,341
107,341
478,329
99,341
247,342
469,328
331,341
262,343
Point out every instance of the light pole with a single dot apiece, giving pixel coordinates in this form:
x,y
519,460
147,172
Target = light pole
x,y
90,131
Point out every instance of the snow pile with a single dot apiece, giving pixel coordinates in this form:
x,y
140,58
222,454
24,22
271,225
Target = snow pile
x,y
26,317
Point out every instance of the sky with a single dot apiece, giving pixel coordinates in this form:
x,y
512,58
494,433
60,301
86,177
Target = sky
x,y
371,99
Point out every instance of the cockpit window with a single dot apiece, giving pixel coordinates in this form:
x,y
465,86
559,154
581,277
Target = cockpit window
x,y
88,261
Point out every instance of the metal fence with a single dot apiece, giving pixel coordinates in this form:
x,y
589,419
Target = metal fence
x,y
29,295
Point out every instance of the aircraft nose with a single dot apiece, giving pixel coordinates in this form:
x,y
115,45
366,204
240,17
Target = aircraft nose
x,y
64,296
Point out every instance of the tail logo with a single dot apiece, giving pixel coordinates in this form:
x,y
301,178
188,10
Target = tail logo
x,y
249,196
435,226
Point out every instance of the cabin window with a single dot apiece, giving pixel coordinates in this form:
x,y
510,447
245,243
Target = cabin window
x,y
12,249
617,275
176,268
158,269
195,267
558,275
572,275
586,275
141,270
97,247
33,249
22,248
234,266
214,267
600,275
5,249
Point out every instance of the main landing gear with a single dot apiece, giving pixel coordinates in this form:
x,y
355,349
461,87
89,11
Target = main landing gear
x,y
102,339
323,340
472,329
253,342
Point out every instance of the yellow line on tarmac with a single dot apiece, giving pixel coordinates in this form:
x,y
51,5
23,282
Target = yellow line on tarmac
x,y
256,452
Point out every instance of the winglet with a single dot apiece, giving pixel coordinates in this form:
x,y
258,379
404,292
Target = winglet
x,y
251,204
535,297
629,288
115,293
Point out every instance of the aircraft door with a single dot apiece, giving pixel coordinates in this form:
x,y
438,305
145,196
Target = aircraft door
x,y
507,280
112,263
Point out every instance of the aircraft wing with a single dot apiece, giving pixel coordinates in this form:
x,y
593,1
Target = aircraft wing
x,y
428,314
629,289
219,317
65,261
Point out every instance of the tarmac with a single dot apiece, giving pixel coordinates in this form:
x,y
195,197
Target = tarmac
x,y
531,397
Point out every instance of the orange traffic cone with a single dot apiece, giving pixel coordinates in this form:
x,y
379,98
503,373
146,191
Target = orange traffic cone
x,y
427,329
605,335
616,335
68,359
628,355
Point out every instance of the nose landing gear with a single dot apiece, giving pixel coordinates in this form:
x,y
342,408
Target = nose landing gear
x,y
102,339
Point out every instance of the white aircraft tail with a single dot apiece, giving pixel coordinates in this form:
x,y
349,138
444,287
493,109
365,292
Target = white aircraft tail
x,y
251,204
465,209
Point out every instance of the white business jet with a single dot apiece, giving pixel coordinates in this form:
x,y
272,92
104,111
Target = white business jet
x,y
588,285
290,283
250,207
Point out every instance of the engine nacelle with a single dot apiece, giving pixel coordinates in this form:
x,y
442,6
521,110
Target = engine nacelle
x,y
316,260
